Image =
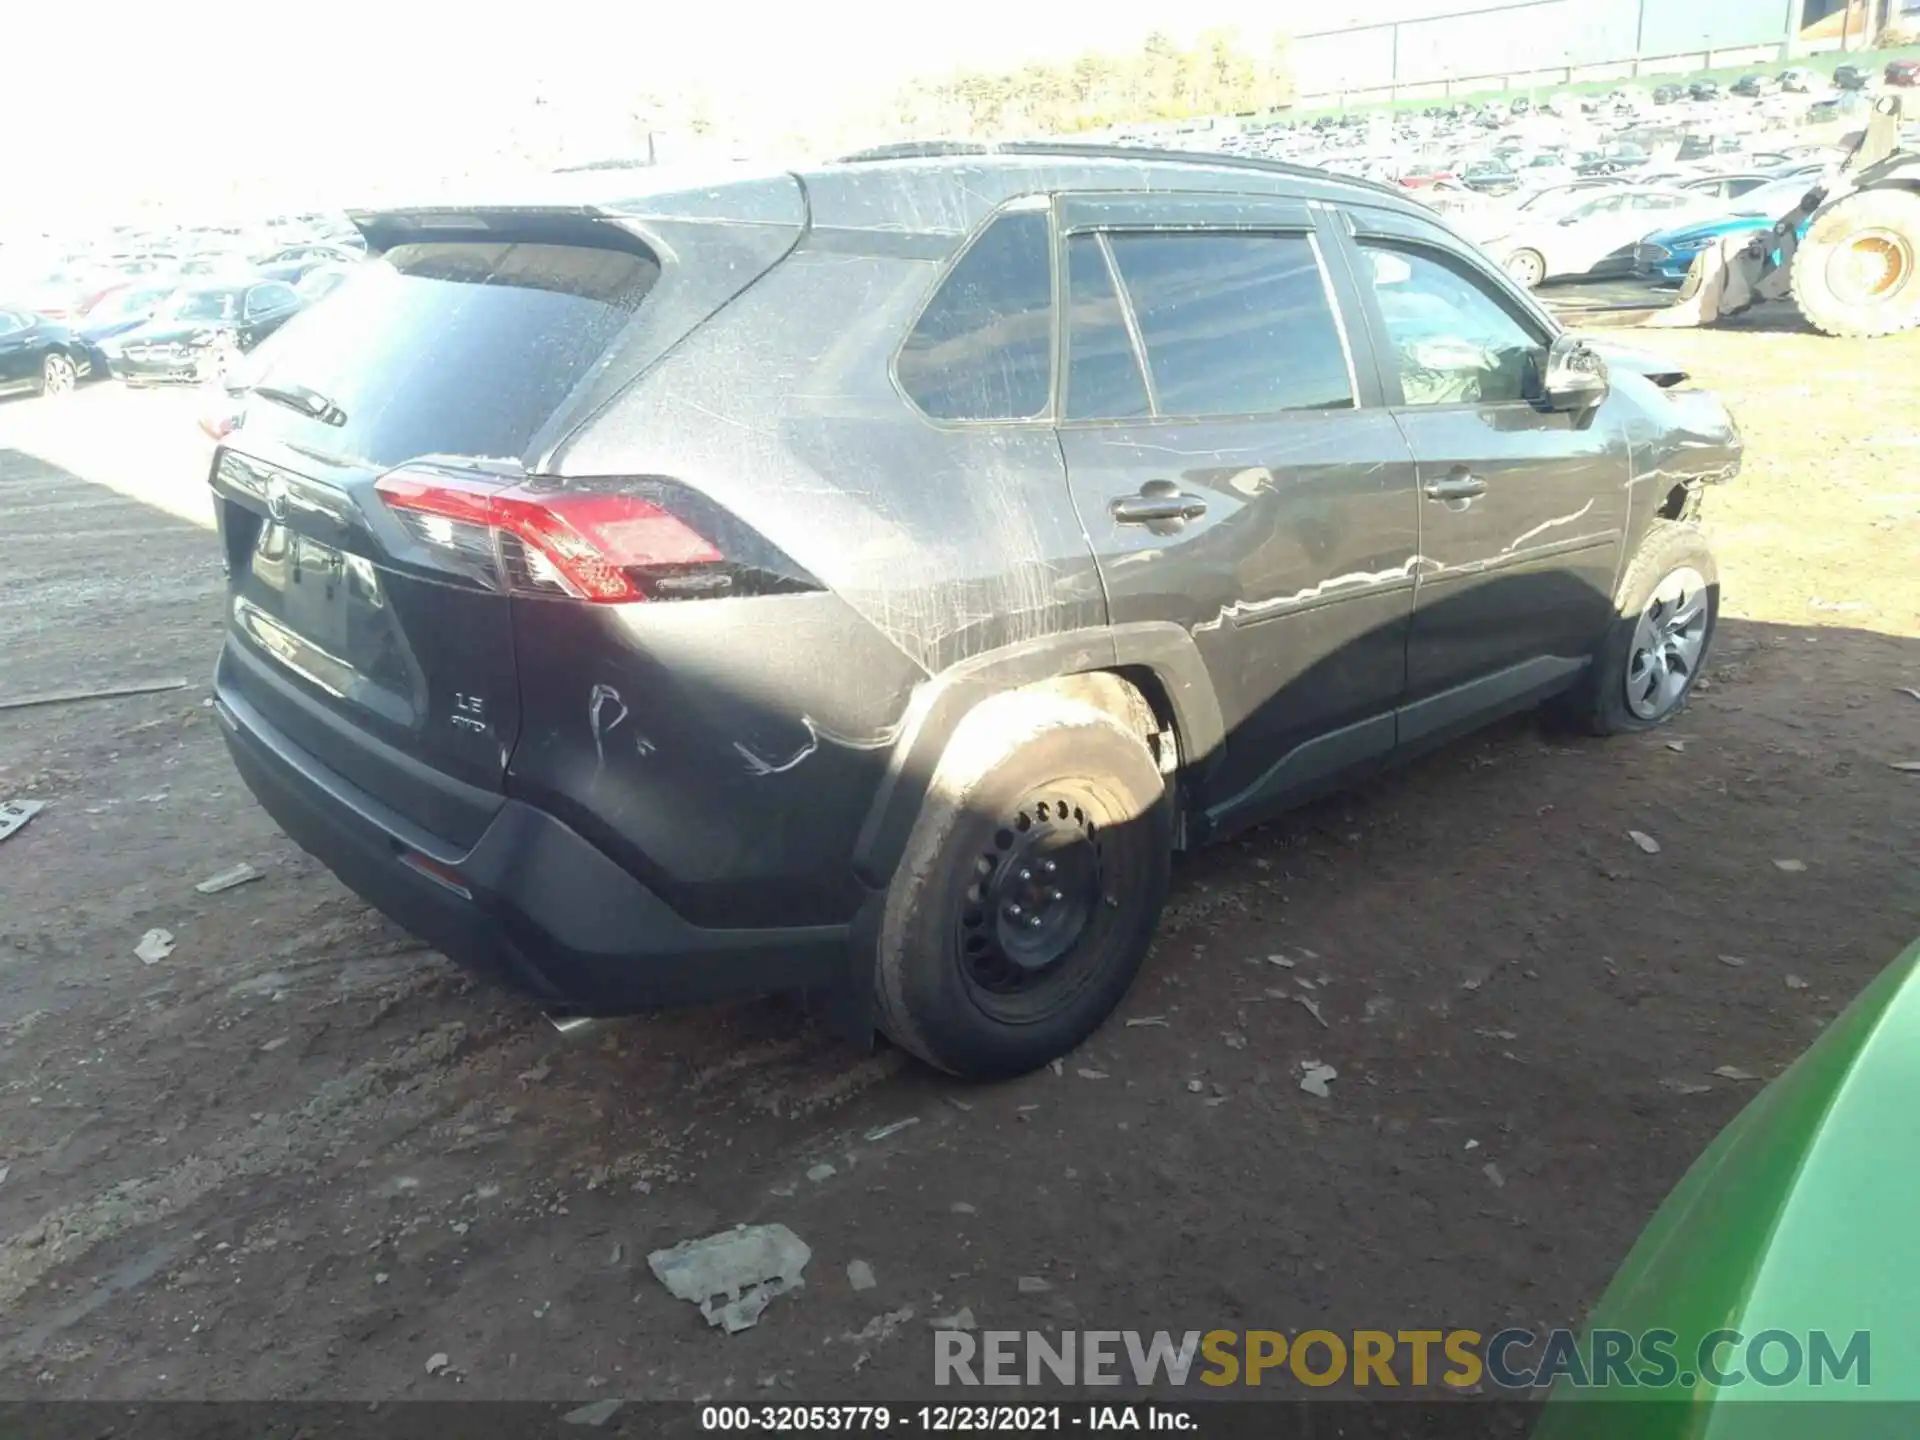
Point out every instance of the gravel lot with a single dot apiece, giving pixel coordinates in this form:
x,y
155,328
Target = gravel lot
x,y
299,1156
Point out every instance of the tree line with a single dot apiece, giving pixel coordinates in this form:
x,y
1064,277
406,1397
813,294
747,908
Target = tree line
x,y
1161,81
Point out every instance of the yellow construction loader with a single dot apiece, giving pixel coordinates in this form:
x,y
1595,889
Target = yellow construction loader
x,y
1854,272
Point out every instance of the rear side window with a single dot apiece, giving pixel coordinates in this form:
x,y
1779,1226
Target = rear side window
x,y
1234,324
1103,372
454,348
983,347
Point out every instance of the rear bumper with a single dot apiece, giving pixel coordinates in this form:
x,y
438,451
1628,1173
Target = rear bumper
x,y
544,912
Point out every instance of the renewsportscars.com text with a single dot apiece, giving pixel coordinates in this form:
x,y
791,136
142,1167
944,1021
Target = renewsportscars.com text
x,y
1513,1359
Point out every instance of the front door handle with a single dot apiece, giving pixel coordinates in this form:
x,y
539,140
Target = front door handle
x,y
1460,485
1158,500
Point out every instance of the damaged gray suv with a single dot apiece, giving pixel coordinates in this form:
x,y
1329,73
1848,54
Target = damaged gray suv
x,y
862,580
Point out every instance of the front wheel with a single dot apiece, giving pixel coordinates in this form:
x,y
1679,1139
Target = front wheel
x,y
1656,649
57,375
1029,891
1526,268
1857,273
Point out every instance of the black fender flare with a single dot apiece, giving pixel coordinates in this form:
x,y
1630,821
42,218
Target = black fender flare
x,y
940,703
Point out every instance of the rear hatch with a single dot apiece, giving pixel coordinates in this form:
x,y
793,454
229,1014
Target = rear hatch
x,y
383,435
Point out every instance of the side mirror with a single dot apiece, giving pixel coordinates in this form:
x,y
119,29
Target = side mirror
x,y
1574,377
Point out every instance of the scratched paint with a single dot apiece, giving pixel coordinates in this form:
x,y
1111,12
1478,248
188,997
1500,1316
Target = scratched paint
x,y
603,700
761,764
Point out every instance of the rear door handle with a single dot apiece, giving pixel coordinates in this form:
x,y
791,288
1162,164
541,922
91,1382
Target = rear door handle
x,y
1158,500
1460,485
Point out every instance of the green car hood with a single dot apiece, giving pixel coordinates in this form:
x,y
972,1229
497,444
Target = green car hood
x,y
1803,1215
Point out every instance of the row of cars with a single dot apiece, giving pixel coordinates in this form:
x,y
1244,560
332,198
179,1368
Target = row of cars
x,y
1596,228
147,324
1599,185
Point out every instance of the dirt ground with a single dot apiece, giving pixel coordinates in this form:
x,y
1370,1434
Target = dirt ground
x,y
299,1156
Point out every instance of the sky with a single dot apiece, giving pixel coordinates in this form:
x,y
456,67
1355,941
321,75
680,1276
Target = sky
x,y
203,95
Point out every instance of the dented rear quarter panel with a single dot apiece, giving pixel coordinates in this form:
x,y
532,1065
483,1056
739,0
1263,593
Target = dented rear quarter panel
x,y
933,544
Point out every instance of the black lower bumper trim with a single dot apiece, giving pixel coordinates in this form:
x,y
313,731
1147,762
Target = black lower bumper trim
x,y
547,913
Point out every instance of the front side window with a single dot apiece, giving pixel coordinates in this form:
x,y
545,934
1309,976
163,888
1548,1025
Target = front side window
x,y
10,323
1234,323
1451,341
983,347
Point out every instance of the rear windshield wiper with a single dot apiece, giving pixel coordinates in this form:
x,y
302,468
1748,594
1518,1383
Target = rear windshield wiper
x,y
307,401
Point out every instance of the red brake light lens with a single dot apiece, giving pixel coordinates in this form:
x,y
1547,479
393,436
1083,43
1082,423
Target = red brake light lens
x,y
586,543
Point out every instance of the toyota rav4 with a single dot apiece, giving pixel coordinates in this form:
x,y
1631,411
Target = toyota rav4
x,y
862,580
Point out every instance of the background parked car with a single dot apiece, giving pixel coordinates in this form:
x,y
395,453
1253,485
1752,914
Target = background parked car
x,y
1668,254
202,331
1584,239
125,310
1849,77
38,356
1490,177
1903,72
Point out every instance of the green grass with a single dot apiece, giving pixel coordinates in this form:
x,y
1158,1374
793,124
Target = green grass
x,y
1872,61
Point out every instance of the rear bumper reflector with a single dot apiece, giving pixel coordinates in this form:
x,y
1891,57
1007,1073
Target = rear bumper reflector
x,y
436,872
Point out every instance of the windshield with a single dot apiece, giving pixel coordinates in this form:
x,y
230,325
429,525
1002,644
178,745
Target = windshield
x,y
206,305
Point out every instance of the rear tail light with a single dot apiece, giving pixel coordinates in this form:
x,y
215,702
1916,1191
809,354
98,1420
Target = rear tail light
x,y
607,542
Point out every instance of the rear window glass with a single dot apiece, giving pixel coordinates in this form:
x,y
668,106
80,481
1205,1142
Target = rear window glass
x,y
455,348
983,347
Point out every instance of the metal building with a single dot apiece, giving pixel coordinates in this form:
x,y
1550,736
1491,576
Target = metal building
x,y
1488,44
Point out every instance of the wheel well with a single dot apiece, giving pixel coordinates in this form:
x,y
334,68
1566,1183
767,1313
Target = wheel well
x,y
1135,696
1678,504
1132,696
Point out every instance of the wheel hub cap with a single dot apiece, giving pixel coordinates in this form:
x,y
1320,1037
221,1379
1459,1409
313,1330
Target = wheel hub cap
x,y
1871,267
1668,642
1035,890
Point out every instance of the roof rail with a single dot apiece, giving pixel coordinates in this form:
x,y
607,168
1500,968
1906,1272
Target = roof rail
x,y
1069,150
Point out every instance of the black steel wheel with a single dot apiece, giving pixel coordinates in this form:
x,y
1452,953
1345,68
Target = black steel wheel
x,y
1030,888
1024,924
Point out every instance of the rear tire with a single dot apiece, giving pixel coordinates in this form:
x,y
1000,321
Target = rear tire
x,y
1857,274
1658,645
1029,889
